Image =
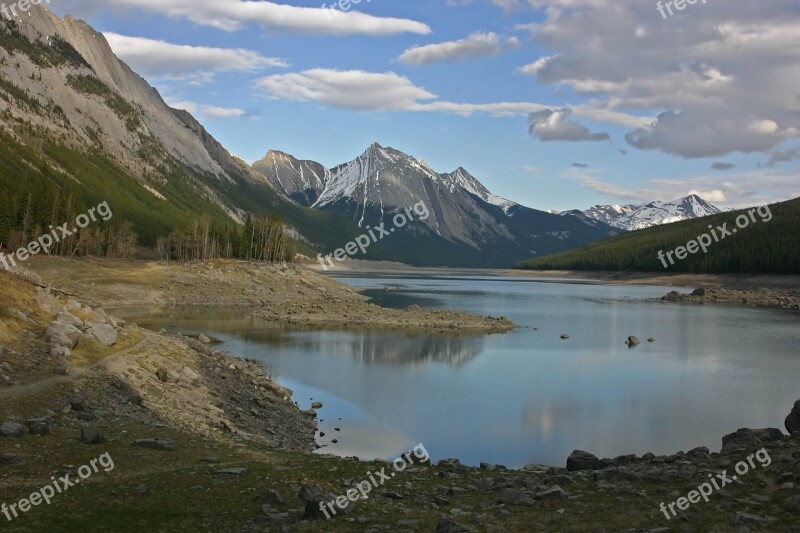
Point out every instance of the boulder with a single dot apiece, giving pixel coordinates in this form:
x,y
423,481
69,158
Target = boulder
x,y
105,334
5,368
4,380
205,339
60,351
447,525
72,305
742,441
13,430
89,435
163,374
580,460
62,334
38,426
632,341
167,445
316,405
793,420
61,369
699,292
70,319
564,336
314,495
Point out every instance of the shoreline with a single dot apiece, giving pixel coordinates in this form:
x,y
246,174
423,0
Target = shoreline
x,y
215,422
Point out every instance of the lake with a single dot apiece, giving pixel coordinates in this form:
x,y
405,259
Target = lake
x,y
526,396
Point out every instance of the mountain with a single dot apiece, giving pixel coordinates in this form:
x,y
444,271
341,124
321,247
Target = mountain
x,y
633,217
78,127
767,244
466,224
302,181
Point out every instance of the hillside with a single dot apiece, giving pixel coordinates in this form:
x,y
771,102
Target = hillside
x,y
78,127
771,247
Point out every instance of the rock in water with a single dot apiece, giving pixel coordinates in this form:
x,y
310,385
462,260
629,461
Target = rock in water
x,y
632,341
565,336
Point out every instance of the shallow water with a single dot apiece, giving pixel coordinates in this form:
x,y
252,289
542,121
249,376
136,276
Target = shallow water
x,y
527,396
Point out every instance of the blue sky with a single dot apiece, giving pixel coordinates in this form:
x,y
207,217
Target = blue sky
x,y
555,104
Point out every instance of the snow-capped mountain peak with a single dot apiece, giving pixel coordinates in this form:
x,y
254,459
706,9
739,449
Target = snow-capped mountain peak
x,y
633,217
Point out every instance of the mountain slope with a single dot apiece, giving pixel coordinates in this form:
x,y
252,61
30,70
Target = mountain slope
x,y
767,247
466,225
633,217
79,127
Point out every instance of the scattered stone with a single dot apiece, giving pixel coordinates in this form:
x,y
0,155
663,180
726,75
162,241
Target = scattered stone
x,y
9,459
89,435
516,497
38,426
105,334
269,496
61,369
210,460
60,351
205,339
553,493
12,430
448,525
231,471
5,368
167,445
316,405
742,441
72,320
163,374
62,334
314,495
651,339
752,520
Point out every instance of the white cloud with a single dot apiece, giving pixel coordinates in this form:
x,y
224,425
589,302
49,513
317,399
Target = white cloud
x,y
722,77
351,89
550,125
475,46
234,15
207,111
156,58
369,91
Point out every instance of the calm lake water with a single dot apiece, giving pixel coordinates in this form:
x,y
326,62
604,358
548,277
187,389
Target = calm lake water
x,y
527,396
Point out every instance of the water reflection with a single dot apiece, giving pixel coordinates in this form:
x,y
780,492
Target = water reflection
x,y
370,347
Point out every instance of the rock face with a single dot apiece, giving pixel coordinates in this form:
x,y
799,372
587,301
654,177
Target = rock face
x,y
793,420
62,334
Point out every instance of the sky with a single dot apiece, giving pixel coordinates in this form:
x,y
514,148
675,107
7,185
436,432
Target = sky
x,y
554,104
